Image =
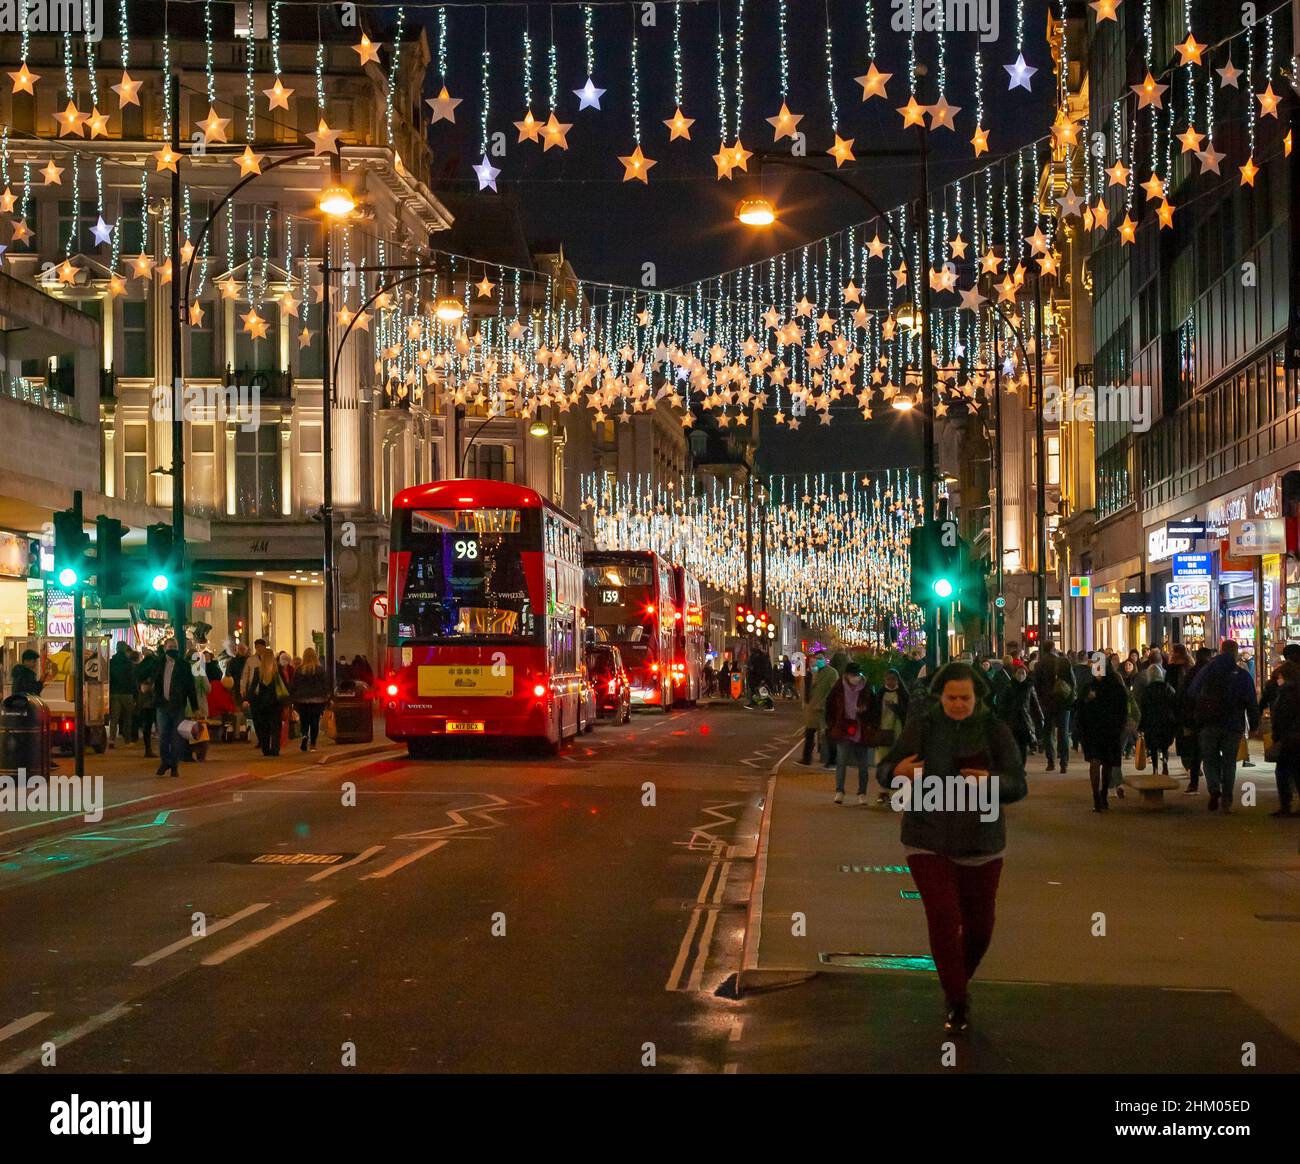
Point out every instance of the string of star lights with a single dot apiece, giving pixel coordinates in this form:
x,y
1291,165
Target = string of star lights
x,y
837,544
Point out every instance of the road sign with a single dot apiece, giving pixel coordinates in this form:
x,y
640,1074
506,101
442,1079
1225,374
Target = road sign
x,y
379,606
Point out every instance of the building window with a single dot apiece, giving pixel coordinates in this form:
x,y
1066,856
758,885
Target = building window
x,y
83,241
1054,460
203,342
257,471
23,106
309,358
255,227
259,355
137,344
492,462
135,463
310,465
130,226
203,467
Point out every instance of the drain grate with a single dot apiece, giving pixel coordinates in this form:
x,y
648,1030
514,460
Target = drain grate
x,y
875,869
922,962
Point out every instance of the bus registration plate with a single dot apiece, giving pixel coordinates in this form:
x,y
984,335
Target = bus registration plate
x,y
466,679
464,726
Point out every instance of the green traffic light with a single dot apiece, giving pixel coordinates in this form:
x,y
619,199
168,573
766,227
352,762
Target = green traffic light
x,y
943,588
67,577
160,582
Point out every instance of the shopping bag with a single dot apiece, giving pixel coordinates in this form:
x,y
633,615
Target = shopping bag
x,y
1140,756
1243,751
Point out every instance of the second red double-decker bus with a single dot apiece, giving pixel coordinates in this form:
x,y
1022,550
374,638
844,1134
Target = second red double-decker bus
x,y
485,615
630,600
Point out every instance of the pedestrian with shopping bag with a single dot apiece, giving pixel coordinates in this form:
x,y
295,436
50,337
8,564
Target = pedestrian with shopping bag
x,y
310,690
266,699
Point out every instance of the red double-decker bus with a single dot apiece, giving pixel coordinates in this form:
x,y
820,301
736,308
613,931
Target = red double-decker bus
x,y
485,615
631,602
689,637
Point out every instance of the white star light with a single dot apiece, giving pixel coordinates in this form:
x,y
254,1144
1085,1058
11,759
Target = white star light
x,y
487,174
589,95
103,231
1020,74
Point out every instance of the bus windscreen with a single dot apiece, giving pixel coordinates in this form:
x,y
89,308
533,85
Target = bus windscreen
x,y
465,578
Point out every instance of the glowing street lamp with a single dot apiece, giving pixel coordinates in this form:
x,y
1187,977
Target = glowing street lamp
x,y
336,201
756,211
449,309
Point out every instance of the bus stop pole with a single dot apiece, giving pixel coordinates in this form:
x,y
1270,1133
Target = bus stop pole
x,y
78,662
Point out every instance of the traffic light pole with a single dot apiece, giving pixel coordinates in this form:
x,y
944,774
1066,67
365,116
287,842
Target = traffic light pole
x,y
327,443
1040,454
178,381
78,661
933,653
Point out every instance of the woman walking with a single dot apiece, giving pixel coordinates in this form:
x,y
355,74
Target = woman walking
x,y
1018,707
1159,720
310,691
955,854
1103,713
266,696
853,715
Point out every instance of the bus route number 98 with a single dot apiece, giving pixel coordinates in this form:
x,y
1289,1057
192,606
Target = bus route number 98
x,y
466,548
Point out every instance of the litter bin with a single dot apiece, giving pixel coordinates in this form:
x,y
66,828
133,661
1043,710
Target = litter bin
x,y
25,736
353,720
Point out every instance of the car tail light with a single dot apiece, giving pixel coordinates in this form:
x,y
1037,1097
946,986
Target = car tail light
x,y
68,725
539,690
654,668
392,689
613,687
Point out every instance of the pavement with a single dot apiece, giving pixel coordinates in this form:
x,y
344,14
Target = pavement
x,y
131,785
1132,940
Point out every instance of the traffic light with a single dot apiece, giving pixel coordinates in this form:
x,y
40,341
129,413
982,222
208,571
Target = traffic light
x,y
941,567
740,619
108,555
159,566
71,542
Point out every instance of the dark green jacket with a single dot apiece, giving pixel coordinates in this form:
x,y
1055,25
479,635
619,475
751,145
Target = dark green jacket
x,y
939,741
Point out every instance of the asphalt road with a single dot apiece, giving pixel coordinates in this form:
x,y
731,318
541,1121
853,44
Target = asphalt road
x,y
483,911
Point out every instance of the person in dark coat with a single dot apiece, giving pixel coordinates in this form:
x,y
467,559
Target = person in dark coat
x,y
852,710
1102,711
175,698
310,691
25,678
1285,704
1224,703
121,695
1019,709
361,672
1188,742
954,851
147,671
1159,721
1054,683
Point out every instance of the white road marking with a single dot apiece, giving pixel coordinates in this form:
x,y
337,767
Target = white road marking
x,y
370,852
228,952
217,927
783,759
19,1025
402,862
33,1054
754,922
683,952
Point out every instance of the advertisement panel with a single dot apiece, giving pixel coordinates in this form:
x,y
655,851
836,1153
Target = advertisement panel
x,y
1190,596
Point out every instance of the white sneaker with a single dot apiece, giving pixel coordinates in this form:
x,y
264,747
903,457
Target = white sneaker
x,y
839,798
862,798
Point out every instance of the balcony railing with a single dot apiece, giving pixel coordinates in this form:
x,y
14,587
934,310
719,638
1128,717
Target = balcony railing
x,y
39,393
271,383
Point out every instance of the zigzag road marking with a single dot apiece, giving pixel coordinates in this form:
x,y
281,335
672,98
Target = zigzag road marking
x,y
461,824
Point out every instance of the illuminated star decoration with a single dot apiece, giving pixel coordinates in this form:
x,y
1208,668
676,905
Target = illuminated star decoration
x,y
196,314
70,121
1020,74
24,80
1190,51
1228,75
67,273
553,133
324,140
277,95
980,140
213,127
97,123
443,106
304,338
841,151
366,50
529,128
1149,92
873,82
53,174
249,162
103,231
254,324
679,125
785,123
942,114
1104,9
167,159
127,90
589,96
485,287
487,174
636,165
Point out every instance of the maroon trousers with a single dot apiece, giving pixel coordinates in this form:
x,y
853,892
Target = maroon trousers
x,y
959,904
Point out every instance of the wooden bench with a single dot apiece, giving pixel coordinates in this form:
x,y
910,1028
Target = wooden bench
x,y
1152,787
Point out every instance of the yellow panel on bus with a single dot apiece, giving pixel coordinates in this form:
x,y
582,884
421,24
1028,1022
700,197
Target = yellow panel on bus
x,y
465,679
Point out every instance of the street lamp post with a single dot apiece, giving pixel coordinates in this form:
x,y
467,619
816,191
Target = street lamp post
x,y
178,373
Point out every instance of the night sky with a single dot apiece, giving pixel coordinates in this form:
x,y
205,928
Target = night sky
x,y
683,220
